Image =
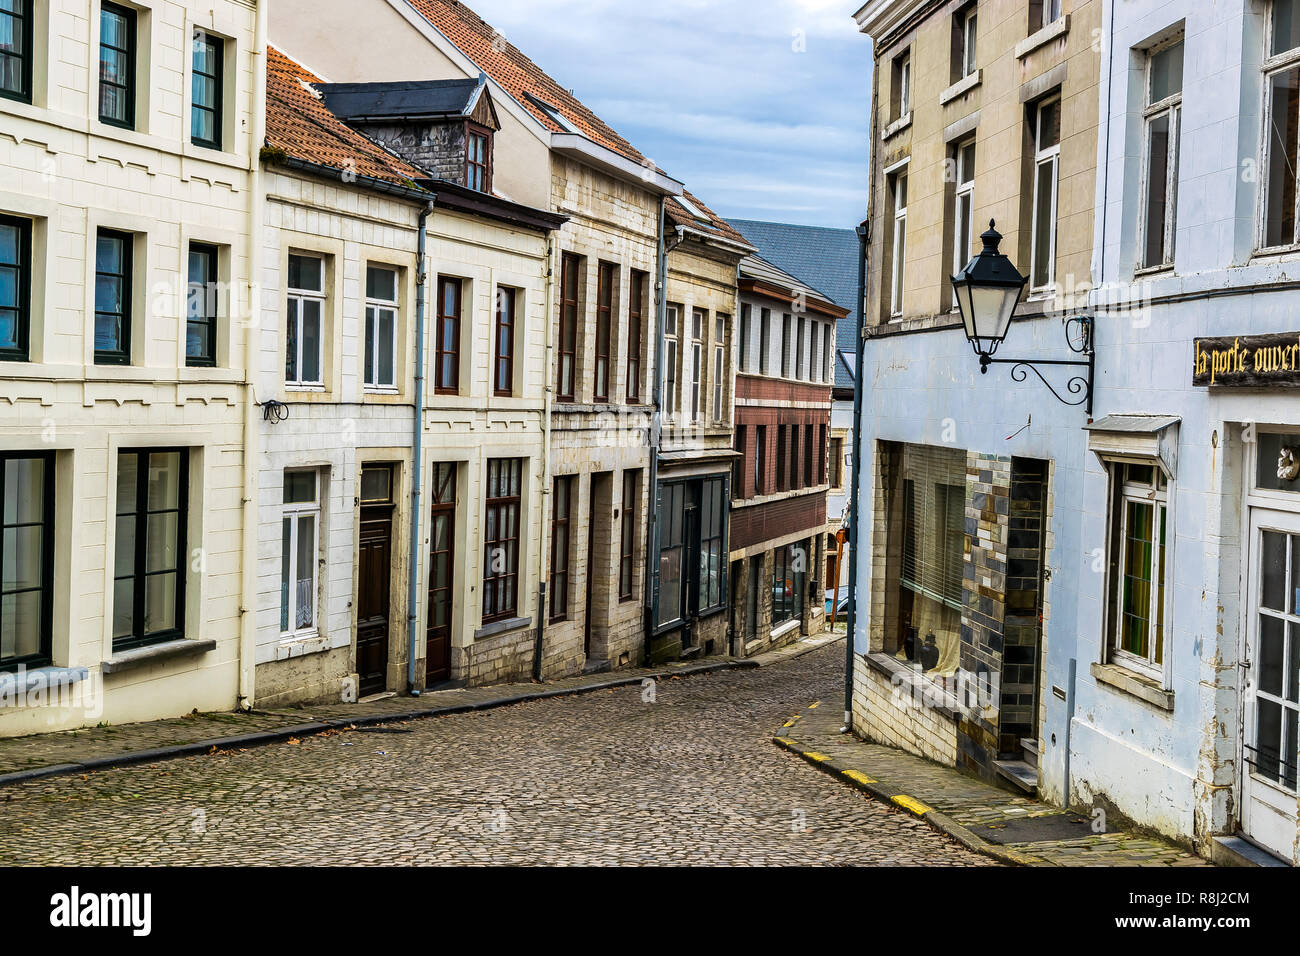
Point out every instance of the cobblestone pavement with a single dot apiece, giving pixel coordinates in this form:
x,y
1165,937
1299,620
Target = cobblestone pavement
x,y
606,777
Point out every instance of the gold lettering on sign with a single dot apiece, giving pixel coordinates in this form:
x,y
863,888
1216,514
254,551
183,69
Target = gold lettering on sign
x,y
1272,357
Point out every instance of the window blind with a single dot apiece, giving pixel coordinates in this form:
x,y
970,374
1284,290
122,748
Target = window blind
x,y
934,512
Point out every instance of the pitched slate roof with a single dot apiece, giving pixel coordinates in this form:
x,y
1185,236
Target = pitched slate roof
x,y
416,99
299,125
823,257
500,59
711,223
756,269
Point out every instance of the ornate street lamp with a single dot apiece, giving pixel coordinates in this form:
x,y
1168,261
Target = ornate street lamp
x,y
987,290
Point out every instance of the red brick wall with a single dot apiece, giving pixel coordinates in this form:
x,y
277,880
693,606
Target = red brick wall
x,y
762,388
776,519
748,418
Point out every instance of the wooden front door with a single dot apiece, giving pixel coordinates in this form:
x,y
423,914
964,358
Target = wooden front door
x,y
374,563
374,577
442,574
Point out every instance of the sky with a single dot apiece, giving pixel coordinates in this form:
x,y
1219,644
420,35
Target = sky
x,y
760,108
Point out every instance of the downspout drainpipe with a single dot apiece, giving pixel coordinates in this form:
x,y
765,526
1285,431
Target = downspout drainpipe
x,y
548,391
417,449
851,618
656,426
248,583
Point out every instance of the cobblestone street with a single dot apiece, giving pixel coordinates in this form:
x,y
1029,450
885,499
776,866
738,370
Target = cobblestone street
x,y
600,778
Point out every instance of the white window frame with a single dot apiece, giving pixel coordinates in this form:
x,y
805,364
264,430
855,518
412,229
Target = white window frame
x,y
898,251
374,306
294,513
827,351
1162,500
670,361
969,35
697,361
1050,155
302,296
904,84
964,191
1051,12
1273,64
764,341
1171,106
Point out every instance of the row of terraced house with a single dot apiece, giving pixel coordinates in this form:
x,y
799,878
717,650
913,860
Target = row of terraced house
x,y
341,361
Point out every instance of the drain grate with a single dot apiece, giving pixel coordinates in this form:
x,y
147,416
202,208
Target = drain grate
x,y
1056,826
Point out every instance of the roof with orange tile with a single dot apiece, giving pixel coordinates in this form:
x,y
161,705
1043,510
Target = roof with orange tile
x,y
523,79
500,59
299,125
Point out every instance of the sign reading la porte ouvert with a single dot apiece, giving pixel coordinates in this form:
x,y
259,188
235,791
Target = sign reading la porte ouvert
x,y
1248,361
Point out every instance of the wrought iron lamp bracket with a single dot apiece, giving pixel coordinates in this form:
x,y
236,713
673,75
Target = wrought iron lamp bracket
x,y
1080,385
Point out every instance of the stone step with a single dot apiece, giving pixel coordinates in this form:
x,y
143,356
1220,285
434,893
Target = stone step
x,y
1020,773
1030,746
1236,851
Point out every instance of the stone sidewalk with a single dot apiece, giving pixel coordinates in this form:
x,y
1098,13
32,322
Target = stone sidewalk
x,y
95,748
966,809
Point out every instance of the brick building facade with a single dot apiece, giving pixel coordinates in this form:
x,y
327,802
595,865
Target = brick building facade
x,y
785,355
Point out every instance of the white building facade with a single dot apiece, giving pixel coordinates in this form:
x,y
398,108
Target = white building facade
x,y
128,134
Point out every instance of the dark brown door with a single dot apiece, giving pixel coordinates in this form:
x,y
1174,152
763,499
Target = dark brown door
x,y
442,574
375,562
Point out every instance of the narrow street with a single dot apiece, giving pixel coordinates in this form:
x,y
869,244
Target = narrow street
x,y
690,777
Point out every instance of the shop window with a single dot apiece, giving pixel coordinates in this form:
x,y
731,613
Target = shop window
x,y
933,545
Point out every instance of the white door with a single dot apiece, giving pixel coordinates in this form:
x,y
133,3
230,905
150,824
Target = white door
x,y
1271,747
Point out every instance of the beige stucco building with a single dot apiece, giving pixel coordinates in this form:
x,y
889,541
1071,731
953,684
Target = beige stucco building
x,y
127,139
343,370
598,355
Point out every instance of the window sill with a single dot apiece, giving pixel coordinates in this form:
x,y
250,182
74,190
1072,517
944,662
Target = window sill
x,y
897,126
902,674
783,629
1057,28
1147,272
502,627
20,684
153,653
961,87
1132,683
292,387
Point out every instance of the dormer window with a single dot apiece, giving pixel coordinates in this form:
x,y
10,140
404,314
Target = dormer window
x,y
478,152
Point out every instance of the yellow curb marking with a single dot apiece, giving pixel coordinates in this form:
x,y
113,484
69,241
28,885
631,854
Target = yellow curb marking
x,y
788,723
911,803
859,776
814,755
785,741
814,705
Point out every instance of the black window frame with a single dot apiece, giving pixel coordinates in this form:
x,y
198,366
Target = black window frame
x,y
140,570
121,355
44,655
23,308
218,46
210,303
24,55
129,86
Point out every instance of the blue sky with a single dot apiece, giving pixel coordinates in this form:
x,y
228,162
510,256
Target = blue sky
x,y
760,107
